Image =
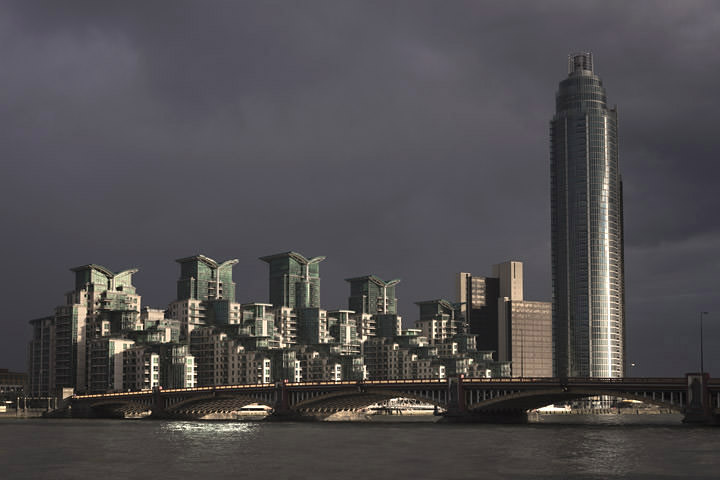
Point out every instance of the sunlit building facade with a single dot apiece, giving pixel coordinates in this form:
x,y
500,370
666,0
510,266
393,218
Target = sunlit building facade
x,y
205,294
103,340
587,228
518,330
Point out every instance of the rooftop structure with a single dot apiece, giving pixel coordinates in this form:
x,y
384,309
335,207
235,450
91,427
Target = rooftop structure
x,y
370,294
294,280
202,278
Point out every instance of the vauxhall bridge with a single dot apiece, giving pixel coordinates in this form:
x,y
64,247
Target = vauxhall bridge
x,y
462,399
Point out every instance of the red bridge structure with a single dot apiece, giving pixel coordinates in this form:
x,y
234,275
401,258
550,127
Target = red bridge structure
x,y
461,399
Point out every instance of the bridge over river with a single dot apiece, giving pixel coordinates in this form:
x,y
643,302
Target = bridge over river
x,y
461,399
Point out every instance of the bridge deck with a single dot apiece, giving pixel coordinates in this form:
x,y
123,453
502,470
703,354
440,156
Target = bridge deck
x,y
609,383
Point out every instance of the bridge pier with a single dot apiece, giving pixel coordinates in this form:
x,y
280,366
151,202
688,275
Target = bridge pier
x,y
699,408
157,408
282,411
456,404
457,411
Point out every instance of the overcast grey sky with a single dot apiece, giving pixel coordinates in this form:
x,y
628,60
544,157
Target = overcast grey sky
x,y
405,139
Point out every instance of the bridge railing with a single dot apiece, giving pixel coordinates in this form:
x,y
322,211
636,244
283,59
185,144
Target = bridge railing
x,y
426,381
219,387
112,394
512,380
318,383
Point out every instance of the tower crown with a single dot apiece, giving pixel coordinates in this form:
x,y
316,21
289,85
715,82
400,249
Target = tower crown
x,y
580,63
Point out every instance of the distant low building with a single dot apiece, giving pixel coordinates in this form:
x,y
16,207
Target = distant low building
x,y
12,383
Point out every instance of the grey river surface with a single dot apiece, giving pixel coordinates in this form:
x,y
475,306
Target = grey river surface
x,y
572,446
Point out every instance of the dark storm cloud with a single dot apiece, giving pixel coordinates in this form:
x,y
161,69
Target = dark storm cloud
x,y
406,139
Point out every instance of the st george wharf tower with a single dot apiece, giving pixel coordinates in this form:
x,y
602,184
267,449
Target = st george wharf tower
x,y
588,303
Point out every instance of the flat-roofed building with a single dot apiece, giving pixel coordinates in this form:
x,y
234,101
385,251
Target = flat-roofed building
x,y
517,330
13,382
526,337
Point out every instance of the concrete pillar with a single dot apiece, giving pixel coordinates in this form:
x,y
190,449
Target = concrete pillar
x,y
158,407
698,408
282,404
454,396
284,399
283,410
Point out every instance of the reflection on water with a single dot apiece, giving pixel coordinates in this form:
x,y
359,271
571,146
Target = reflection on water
x,y
598,448
195,434
603,452
195,428
669,419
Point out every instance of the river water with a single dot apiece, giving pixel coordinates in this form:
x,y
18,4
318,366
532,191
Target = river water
x,y
644,446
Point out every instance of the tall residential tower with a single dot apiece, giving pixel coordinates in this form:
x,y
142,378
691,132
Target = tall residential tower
x,y
294,280
587,228
370,294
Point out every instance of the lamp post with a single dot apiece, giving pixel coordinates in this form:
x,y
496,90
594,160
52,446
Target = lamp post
x,y
702,357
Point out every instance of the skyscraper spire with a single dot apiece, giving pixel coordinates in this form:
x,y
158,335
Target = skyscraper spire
x,y
580,62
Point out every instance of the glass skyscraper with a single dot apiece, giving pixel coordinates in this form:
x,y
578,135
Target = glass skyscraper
x,y
587,228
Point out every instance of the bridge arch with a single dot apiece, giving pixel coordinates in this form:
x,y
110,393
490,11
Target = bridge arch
x,y
118,408
531,399
228,400
353,399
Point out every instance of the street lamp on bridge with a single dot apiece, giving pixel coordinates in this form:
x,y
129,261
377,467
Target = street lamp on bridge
x,y
702,356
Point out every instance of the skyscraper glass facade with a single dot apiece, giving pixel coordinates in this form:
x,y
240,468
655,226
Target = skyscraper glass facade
x,y
587,228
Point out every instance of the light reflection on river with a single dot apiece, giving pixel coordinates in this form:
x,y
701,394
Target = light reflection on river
x,y
556,447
